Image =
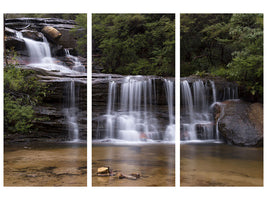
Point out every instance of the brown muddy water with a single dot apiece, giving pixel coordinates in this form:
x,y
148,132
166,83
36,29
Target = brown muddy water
x,y
45,165
220,165
154,162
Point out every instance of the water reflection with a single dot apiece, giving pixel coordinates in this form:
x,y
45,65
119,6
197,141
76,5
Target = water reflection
x,y
221,165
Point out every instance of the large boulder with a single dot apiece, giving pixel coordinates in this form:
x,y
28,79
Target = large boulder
x,y
241,123
51,33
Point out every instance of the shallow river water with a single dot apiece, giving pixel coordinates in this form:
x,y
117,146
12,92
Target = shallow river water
x,y
154,162
220,165
45,165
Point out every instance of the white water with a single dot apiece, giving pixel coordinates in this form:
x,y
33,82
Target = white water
x,y
197,120
170,130
40,57
71,112
77,64
130,112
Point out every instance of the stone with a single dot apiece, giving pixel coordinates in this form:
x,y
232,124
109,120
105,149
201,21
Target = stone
x,y
34,35
51,33
241,123
103,170
121,176
137,175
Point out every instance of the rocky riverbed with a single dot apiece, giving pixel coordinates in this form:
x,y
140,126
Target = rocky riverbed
x,y
154,162
45,164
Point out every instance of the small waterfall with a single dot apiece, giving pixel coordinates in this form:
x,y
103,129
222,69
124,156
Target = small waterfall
x,y
110,110
131,113
170,130
39,52
40,57
71,112
197,120
135,118
77,64
213,91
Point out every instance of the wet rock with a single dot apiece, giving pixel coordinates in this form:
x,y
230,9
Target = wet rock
x,y
130,177
13,43
103,170
242,123
137,175
10,32
121,176
34,35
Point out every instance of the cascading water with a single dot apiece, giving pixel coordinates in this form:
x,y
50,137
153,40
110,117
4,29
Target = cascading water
x,y
197,101
170,130
71,112
131,110
77,64
40,57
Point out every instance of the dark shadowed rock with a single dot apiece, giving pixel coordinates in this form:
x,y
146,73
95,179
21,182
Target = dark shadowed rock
x,y
34,35
241,123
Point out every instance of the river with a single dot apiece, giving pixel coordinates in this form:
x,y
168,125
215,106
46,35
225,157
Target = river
x,y
154,162
221,165
45,164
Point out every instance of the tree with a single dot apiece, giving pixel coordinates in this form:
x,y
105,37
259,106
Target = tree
x,y
81,33
22,92
135,43
228,45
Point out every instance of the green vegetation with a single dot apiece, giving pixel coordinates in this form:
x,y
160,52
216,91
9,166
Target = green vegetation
x,y
22,92
228,45
81,33
135,43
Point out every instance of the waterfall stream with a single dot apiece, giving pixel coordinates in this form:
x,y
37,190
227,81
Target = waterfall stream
x,y
40,57
197,101
132,113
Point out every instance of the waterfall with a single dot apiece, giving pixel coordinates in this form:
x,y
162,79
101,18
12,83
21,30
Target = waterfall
x,y
132,114
40,57
170,130
71,112
77,64
197,120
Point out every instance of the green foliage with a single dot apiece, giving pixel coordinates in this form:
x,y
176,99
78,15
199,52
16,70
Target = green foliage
x,y
81,33
22,91
135,43
18,117
224,45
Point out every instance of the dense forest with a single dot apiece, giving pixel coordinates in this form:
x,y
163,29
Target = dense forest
x,y
227,45
134,43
